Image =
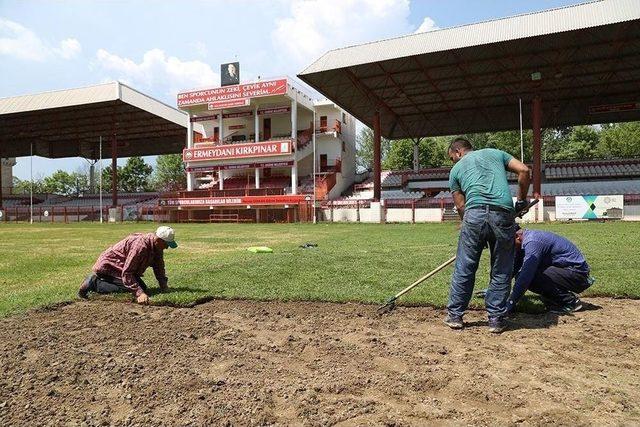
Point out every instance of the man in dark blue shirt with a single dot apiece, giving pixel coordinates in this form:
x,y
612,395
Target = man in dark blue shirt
x,y
550,266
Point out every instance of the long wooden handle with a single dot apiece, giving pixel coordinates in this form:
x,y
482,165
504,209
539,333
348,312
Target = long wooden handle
x,y
423,278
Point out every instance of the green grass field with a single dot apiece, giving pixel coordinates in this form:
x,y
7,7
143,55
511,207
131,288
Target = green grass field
x,y
45,263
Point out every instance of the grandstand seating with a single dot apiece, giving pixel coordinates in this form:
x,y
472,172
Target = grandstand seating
x,y
567,178
593,169
386,194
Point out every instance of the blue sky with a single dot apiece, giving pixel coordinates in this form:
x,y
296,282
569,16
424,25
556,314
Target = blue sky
x,y
161,47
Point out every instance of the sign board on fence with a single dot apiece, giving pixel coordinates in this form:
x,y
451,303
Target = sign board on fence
x,y
130,213
232,201
46,213
589,207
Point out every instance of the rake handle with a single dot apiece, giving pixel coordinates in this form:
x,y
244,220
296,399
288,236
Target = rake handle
x,y
425,277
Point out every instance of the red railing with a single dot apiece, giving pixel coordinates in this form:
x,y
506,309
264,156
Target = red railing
x,y
324,127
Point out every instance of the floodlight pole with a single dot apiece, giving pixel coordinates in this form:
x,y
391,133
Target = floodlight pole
x,y
313,139
31,186
101,179
536,119
521,136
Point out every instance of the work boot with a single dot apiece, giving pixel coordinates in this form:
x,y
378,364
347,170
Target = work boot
x,y
453,321
497,325
569,308
88,285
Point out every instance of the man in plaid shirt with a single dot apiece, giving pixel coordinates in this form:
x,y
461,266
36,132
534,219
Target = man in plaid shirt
x,y
120,268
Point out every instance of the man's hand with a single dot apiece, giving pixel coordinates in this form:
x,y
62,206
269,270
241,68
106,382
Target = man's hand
x,y
521,207
142,299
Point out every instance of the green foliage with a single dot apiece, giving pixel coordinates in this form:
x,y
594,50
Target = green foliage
x,y
364,149
66,184
45,263
134,176
432,153
566,143
619,140
170,174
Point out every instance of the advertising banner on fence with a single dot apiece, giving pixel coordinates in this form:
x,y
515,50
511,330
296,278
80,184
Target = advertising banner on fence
x,y
235,92
237,151
589,207
231,201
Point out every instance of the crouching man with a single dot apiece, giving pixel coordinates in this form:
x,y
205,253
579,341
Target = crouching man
x,y
120,268
550,266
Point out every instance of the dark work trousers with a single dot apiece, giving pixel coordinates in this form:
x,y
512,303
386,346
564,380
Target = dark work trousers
x,y
108,285
557,285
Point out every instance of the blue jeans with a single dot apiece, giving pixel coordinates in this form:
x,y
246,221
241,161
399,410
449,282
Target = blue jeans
x,y
482,227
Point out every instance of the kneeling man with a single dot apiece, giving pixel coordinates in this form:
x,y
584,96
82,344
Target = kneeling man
x,y
550,266
120,268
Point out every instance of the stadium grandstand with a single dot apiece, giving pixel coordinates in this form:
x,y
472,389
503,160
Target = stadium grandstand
x,y
575,65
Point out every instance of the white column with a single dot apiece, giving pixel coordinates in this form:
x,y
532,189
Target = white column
x,y
190,176
221,127
257,177
256,124
294,141
294,177
221,179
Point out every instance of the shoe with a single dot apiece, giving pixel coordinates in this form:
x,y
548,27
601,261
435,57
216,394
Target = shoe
x,y
576,305
454,322
86,287
497,325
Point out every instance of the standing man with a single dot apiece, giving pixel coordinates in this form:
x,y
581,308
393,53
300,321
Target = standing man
x,y
120,268
552,267
478,182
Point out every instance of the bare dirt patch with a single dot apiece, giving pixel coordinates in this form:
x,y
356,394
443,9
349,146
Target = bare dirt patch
x,y
241,363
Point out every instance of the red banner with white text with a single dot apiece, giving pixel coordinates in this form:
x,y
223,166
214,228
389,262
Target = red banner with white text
x,y
237,151
235,92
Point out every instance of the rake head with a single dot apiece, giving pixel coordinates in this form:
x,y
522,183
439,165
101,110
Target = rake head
x,y
387,307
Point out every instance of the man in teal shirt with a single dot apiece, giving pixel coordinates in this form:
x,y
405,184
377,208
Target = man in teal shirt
x,y
478,182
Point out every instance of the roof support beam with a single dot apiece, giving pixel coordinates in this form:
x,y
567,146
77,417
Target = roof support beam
x,y
411,101
379,103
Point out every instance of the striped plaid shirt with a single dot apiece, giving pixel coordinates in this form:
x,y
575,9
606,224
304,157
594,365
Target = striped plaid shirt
x,y
129,258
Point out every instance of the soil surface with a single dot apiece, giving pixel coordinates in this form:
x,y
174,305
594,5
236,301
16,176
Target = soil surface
x,y
262,363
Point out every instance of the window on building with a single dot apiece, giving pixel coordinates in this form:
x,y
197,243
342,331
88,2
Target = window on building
x,y
344,117
344,147
323,123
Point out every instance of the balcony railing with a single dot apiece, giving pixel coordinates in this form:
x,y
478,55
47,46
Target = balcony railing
x,y
329,127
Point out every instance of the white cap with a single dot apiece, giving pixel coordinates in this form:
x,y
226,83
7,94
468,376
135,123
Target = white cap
x,y
168,235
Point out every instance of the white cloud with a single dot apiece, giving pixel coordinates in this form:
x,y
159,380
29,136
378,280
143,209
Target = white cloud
x,y
427,25
315,26
68,48
157,72
20,42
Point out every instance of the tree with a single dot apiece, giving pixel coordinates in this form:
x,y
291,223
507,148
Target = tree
x,y
23,186
169,174
66,184
133,177
619,140
432,153
364,149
